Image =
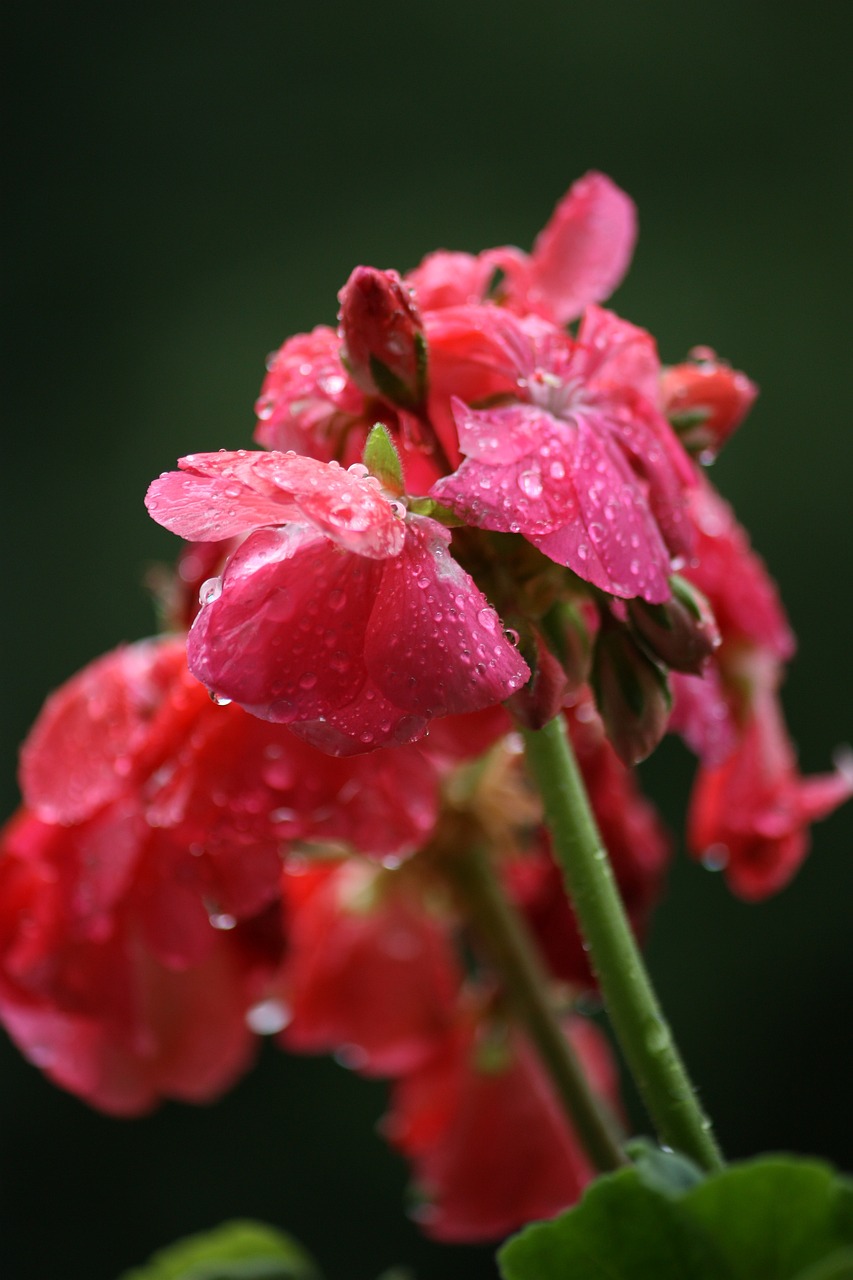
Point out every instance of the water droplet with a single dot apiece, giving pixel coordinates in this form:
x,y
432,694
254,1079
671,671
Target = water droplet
x,y
583,551
530,482
512,637
210,590
268,1017
222,920
218,698
557,470
488,619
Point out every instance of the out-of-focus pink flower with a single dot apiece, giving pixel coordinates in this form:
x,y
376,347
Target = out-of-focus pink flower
x,y
140,887
353,624
750,619
370,970
706,400
112,979
489,1145
578,258
749,815
383,336
580,461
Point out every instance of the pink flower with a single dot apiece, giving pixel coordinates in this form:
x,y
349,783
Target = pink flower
x,y
750,619
750,813
490,1147
579,461
579,258
339,614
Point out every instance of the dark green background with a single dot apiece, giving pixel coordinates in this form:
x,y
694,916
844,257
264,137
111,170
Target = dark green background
x,y
190,184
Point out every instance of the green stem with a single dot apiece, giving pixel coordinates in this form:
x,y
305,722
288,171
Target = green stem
x,y
630,1000
503,932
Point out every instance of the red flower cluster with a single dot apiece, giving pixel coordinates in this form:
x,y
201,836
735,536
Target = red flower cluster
x,y
457,505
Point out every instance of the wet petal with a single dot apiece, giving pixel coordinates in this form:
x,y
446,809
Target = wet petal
x,y
434,645
284,638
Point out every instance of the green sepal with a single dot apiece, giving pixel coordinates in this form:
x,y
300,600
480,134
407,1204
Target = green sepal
x,y
238,1250
382,459
776,1217
429,507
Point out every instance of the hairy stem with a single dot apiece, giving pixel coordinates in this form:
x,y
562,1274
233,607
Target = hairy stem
x,y
631,1003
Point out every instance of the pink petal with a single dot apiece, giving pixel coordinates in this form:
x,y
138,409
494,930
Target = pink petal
x,y
446,279
616,544
220,495
614,355
367,722
585,248
434,645
284,638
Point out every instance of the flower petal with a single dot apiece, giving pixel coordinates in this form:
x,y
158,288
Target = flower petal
x,y
284,638
434,645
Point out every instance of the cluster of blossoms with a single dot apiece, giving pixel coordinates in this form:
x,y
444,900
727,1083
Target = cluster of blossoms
x,y
465,516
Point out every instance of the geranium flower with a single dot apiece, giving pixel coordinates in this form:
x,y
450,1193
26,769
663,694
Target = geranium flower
x,y
340,614
576,456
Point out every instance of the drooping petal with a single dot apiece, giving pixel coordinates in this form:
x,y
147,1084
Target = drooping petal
x,y
285,636
434,645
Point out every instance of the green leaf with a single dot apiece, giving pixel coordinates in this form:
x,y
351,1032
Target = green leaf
x,y
382,459
238,1250
774,1218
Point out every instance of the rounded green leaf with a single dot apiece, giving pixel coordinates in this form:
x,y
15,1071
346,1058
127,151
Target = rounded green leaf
x,y
238,1250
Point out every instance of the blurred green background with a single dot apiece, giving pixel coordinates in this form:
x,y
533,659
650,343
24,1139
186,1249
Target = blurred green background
x,y
190,184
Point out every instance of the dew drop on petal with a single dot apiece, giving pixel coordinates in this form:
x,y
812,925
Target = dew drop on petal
x,y
210,590
530,482
219,699
222,920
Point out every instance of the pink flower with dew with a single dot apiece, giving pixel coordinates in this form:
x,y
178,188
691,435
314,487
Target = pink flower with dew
x,y
578,258
580,462
340,614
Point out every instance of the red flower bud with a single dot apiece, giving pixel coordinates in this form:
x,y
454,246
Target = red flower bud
x,y
705,400
631,693
383,335
682,632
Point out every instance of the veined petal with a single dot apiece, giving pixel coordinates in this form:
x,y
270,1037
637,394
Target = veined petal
x,y
616,544
221,495
584,250
434,645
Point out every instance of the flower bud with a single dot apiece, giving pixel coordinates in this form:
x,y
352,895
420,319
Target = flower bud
x,y
705,400
681,632
631,693
384,344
